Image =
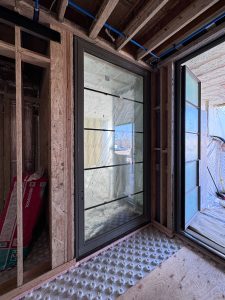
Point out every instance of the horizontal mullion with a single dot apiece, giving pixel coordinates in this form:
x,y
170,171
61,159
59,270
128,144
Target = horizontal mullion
x,y
111,166
197,133
114,200
111,130
194,105
112,95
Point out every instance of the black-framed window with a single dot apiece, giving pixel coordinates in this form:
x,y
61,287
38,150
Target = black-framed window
x,y
111,107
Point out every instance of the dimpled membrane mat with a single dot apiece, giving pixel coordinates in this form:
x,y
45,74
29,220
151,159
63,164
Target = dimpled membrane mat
x,y
113,271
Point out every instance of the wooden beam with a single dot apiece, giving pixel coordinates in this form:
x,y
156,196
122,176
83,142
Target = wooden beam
x,y
141,19
104,12
62,9
185,17
19,159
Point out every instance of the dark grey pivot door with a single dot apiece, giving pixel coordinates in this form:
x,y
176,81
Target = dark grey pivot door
x,y
111,147
191,94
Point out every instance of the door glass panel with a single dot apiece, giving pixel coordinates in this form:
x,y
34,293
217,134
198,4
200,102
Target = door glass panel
x,y
105,112
106,148
105,77
113,146
191,146
106,184
191,118
191,89
101,219
191,204
191,175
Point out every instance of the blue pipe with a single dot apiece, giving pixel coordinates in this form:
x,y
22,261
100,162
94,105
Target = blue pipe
x,y
200,31
108,26
36,11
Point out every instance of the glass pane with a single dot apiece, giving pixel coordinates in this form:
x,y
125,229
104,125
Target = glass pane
x,y
106,184
191,204
192,89
191,118
191,149
106,77
105,112
191,175
109,216
105,148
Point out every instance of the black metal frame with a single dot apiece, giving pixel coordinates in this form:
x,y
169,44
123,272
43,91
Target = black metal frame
x,y
11,17
83,248
179,144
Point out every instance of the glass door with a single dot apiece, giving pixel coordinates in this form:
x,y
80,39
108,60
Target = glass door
x,y
111,192
192,103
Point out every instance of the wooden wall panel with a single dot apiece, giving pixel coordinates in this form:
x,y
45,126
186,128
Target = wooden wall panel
x,y
61,150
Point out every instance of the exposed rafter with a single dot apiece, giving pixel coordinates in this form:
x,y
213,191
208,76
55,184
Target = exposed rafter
x,y
184,18
103,14
143,17
62,9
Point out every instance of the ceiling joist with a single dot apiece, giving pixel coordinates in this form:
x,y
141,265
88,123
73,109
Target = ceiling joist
x,y
143,17
62,9
103,14
184,18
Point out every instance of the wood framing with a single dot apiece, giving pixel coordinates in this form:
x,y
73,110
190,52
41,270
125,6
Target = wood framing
x,y
184,18
19,158
62,9
151,8
103,14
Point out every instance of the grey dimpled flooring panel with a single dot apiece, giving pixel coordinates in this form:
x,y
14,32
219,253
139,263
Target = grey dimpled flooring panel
x,y
112,272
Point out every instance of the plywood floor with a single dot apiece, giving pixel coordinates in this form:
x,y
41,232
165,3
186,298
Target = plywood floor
x,y
187,275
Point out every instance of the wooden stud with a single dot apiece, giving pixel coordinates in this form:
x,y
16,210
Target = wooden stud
x,y
62,9
103,14
7,49
58,157
19,156
185,17
141,19
70,147
163,146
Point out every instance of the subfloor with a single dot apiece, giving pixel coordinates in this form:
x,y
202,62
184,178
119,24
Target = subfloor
x,y
210,223
187,275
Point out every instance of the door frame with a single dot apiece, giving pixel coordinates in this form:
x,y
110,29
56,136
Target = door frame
x,y
179,148
82,248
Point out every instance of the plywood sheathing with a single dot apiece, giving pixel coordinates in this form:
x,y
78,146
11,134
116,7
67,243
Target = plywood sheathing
x,y
61,138
186,275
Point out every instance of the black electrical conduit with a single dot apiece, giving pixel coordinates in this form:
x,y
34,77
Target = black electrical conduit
x,y
196,34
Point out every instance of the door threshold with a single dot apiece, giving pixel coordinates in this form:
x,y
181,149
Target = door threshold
x,y
203,243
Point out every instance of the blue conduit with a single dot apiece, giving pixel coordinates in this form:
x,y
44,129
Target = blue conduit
x,y
36,11
191,37
108,26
